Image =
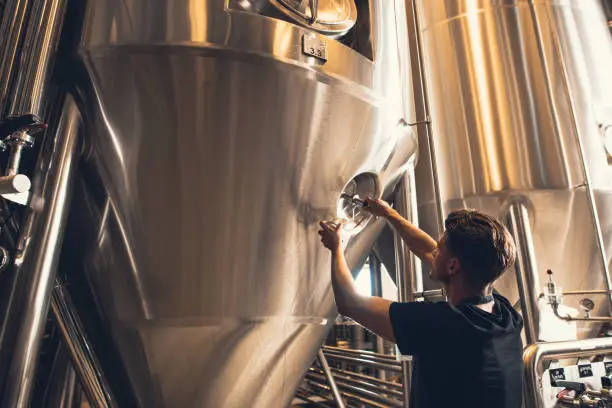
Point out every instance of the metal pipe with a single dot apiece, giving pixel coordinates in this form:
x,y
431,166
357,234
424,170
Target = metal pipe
x,y
364,377
39,46
408,270
535,355
577,132
349,396
363,357
17,141
38,250
12,30
368,363
15,184
377,290
14,160
373,356
355,390
430,295
421,102
360,391
340,379
604,393
343,382
363,353
330,379
303,395
581,402
526,268
587,292
569,318
86,365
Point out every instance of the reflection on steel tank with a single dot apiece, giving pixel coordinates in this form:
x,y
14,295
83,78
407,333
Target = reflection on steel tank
x,y
521,108
219,134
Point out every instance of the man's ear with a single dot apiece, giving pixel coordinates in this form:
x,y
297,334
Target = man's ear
x,y
454,267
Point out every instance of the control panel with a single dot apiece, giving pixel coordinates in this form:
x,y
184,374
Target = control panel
x,y
584,384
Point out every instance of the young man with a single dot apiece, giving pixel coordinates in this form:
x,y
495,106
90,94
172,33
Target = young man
x,y
467,351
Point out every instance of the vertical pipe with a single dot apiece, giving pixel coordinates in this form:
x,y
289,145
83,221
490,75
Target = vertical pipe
x,y
330,380
14,160
12,29
376,284
421,103
358,337
37,254
39,46
409,277
526,268
83,360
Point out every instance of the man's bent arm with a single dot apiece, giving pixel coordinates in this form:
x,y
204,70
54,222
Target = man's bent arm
x,y
417,240
370,312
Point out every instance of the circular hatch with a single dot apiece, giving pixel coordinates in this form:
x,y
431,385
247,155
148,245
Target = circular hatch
x,y
351,202
329,17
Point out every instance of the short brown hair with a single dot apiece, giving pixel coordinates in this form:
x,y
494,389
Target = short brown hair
x,y
483,246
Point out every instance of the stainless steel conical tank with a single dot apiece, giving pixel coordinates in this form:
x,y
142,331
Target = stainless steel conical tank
x,y
219,134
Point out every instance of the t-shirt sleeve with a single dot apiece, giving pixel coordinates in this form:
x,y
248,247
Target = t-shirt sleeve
x,y
420,326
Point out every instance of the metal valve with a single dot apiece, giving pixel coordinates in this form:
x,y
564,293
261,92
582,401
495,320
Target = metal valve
x,y
587,305
583,401
15,135
553,294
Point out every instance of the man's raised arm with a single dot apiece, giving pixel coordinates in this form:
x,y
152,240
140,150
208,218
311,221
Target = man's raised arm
x,y
370,311
417,240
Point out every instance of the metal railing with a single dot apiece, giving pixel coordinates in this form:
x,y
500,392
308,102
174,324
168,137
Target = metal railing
x,y
367,361
536,355
339,387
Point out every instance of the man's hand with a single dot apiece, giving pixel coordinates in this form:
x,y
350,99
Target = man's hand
x,y
378,207
330,234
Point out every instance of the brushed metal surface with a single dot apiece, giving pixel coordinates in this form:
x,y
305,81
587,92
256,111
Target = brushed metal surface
x,y
33,76
219,147
38,248
87,368
518,90
11,29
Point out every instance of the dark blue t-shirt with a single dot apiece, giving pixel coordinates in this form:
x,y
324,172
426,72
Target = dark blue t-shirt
x,y
461,353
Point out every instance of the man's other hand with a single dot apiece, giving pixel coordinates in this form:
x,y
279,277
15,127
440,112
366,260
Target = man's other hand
x,y
377,207
330,234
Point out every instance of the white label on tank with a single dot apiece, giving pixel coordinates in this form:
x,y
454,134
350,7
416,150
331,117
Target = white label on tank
x,y
314,46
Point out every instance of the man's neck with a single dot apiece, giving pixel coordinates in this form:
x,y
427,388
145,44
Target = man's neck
x,y
456,293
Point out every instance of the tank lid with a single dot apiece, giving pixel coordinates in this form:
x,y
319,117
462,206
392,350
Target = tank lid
x,y
331,17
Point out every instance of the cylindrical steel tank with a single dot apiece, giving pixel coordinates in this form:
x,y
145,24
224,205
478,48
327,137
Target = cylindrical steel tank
x,y
520,95
219,134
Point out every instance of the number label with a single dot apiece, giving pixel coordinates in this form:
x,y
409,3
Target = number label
x,y
314,47
556,374
585,370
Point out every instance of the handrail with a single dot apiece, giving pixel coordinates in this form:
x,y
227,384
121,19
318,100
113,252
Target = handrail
x,y
343,387
363,353
347,395
346,379
330,379
535,355
368,378
389,366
